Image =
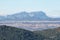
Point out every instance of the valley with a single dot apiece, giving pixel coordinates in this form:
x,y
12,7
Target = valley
x,y
32,25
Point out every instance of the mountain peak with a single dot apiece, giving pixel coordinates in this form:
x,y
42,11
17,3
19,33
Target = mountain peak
x,y
25,16
41,13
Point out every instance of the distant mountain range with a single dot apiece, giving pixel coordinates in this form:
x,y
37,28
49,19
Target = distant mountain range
x,y
25,16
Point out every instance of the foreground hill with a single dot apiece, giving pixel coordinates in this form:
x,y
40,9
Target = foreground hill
x,y
50,34
12,33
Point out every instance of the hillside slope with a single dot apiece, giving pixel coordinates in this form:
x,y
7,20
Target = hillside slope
x,y
50,34
12,33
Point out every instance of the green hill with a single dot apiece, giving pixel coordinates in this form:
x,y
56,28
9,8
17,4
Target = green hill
x,y
50,34
12,33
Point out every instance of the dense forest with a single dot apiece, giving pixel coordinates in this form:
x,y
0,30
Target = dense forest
x,y
12,33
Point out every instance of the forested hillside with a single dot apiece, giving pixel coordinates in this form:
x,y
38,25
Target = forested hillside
x,y
12,33
50,34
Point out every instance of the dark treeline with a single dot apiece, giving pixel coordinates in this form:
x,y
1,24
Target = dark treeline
x,y
12,33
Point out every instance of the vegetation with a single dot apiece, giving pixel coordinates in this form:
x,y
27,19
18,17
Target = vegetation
x,y
12,33
50,34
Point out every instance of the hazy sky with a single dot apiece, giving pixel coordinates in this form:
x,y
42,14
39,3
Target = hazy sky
x,y
50,7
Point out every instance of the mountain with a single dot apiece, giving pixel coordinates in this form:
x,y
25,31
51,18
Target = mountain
x,y
25,16
2,18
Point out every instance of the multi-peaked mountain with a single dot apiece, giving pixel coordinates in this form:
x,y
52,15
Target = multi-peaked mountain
x,y
25,16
